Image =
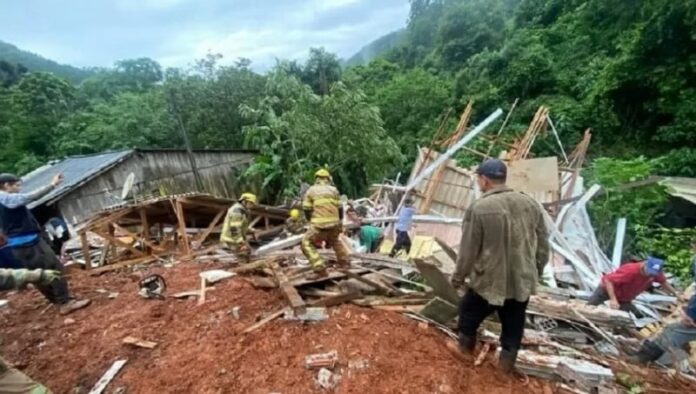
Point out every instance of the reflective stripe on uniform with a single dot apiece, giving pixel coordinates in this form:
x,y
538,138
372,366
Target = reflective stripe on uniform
x,y
326,201
322,220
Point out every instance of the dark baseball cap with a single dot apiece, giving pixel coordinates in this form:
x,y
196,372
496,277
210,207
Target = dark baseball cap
x,y
493,169
9,178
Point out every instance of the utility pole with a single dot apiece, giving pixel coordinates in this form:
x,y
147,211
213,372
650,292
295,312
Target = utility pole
x,y
175,112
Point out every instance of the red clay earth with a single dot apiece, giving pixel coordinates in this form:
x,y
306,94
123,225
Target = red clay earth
x,y
201,349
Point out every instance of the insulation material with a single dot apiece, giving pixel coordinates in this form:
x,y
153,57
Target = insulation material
x,y
535,177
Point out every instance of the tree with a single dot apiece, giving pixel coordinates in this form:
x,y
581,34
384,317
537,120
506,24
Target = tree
x,y
129,120
39,102
298,131
321,70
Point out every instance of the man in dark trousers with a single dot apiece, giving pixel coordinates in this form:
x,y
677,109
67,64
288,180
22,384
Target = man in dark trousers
x,y
24,244
503,252
403,226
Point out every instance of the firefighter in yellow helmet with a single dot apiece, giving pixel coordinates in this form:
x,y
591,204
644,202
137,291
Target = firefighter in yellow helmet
x,y
295,223
236,227
323,209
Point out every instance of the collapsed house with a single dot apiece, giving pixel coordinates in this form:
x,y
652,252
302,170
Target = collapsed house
x,y
567,341
95,182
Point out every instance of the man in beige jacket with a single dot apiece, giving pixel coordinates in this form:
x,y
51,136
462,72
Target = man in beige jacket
x,y
503,251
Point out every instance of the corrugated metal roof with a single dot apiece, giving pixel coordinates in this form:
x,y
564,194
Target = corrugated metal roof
x,y
681,187
76,171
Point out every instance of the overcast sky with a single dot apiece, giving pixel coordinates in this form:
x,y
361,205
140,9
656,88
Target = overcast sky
x,y
175,32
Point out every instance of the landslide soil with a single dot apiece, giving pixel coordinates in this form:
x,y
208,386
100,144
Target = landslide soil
x,y
201,349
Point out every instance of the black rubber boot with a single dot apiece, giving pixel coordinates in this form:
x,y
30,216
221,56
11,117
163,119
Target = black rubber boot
x,y
649,352
467,344
507,360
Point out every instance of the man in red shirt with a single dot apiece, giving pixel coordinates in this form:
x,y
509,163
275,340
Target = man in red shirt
x,y
622,286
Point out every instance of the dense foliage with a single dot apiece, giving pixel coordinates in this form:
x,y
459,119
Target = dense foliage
x,y
624,68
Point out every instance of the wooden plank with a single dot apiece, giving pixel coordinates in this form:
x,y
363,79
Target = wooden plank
x,y
144,224
387,289
116,241
286,287
437,280
210,227
139,342
185,247
123,264
108,376
85,250
336,299
200,203
99,222
105,253
265,320
147,242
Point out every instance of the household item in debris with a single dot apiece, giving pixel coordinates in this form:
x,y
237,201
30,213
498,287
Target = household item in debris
x,y
153,287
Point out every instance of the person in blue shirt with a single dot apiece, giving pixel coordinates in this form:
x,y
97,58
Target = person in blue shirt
x,y
403,226
24,245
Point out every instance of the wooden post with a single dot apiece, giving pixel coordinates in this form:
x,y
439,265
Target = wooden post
x,y
85,250
145,233
182,227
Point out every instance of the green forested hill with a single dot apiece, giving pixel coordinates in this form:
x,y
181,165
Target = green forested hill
x,y
33,62
376,48
624,68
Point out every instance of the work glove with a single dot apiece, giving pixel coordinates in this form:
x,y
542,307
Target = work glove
x,y
49,276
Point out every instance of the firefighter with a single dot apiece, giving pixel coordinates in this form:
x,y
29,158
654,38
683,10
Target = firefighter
x,y
236,227
295,224
12,380
322,208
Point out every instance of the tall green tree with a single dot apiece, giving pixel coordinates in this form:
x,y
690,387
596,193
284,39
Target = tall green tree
x,y
298,131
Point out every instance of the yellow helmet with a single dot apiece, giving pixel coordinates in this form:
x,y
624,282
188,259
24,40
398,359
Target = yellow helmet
x,y
294,213
322,173
251,197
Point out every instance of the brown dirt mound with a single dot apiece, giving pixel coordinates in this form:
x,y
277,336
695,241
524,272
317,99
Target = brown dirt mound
x,y
202,348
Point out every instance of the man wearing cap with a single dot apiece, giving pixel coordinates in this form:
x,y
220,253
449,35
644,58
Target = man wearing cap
x,y
24,246
503,251
622,286
235,228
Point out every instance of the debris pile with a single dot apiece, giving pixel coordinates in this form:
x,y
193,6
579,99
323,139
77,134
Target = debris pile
x,y
348,329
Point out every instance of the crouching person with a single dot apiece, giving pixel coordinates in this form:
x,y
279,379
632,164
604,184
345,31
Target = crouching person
x,y
236,227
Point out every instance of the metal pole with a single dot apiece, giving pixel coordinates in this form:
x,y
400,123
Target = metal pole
x,y
187,141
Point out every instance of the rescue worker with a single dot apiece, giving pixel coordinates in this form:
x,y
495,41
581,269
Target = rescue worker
x,y
322,208
236,227
12,380
622,286
295,224
503,251
25,246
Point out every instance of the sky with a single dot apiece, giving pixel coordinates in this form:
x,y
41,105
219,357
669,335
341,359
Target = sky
x,y
87,33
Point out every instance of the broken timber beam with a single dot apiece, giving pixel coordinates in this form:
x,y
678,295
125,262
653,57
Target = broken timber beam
x,y
291,295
